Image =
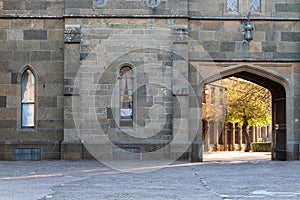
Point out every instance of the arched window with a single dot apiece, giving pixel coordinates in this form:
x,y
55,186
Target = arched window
x,y
99,2
255,6
153,3
126,90
28,99
232,5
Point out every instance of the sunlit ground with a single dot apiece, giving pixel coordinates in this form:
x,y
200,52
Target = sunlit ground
x,y
234,156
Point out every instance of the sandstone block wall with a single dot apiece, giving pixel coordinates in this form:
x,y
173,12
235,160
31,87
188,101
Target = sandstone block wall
x,y
34,43
76,47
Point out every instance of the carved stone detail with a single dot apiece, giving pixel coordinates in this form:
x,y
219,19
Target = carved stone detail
x,y
72,33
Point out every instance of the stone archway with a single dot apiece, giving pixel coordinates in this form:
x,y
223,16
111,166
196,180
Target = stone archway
x,y
278,87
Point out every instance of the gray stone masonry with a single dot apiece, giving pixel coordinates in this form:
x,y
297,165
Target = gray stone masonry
x,y
76,48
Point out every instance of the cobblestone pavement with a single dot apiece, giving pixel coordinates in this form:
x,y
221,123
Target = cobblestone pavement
x,y
223,177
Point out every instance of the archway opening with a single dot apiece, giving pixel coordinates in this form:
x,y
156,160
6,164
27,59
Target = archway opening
x,y
220,135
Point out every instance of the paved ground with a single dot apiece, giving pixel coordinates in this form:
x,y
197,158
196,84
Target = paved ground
x,y
252,176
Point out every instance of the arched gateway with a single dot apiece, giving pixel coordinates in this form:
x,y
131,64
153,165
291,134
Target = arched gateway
x,y
278,85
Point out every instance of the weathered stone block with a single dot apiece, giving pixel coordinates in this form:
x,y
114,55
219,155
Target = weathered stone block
x,y
36,5
28,24
47,101
28,45
287,7
35,35
290,36
211,46
50,124
288,46
2,101
6,55
255,47
8,90
263,26
57,55
8,45
6,124
269,47
72,38
14,78
5,23
259,36
194,35
23,56
283,55
272,36
227,46
71,151
212,25
3,34
40,55
13,5
78,4
51,45
232,26
15,34
50,113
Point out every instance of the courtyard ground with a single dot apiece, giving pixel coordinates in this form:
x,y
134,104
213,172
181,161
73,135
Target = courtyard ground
x,y
222,176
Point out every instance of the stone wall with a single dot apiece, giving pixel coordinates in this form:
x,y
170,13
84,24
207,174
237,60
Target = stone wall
x,y
272,40
37,44
120,7
150,47
269,9
32,8
76,47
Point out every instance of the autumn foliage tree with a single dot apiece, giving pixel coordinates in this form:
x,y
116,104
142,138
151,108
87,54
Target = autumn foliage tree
x,y
248,105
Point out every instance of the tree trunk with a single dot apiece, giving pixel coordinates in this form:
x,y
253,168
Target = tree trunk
x,y
246,134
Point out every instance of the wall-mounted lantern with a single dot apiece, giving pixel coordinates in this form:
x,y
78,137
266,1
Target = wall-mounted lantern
x,y
247,29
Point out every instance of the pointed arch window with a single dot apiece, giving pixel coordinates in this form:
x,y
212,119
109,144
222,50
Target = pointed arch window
x,y
153,3
255,6
126,91
232,5
99,3
28,99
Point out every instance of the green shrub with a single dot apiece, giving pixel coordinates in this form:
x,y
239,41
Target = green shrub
x,y
261,146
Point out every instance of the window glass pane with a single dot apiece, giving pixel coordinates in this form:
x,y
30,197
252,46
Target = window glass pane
x,y
232,6
255,6
126,90
153,2
27,98
27,115
27,87
99,2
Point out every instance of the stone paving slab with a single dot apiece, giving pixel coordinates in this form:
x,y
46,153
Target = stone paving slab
x,y
214,179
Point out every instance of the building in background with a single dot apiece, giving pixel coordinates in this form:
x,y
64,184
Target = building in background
x,y
217,133
123,79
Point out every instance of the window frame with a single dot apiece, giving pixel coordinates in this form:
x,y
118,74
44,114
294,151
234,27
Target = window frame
x,y
153,3
243,8
260,7
123,118
30,102
237,7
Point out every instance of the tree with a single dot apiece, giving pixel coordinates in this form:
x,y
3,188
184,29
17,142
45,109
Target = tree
x,y
248,105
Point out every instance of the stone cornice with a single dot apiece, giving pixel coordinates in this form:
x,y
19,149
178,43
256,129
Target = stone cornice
x,y
36,16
